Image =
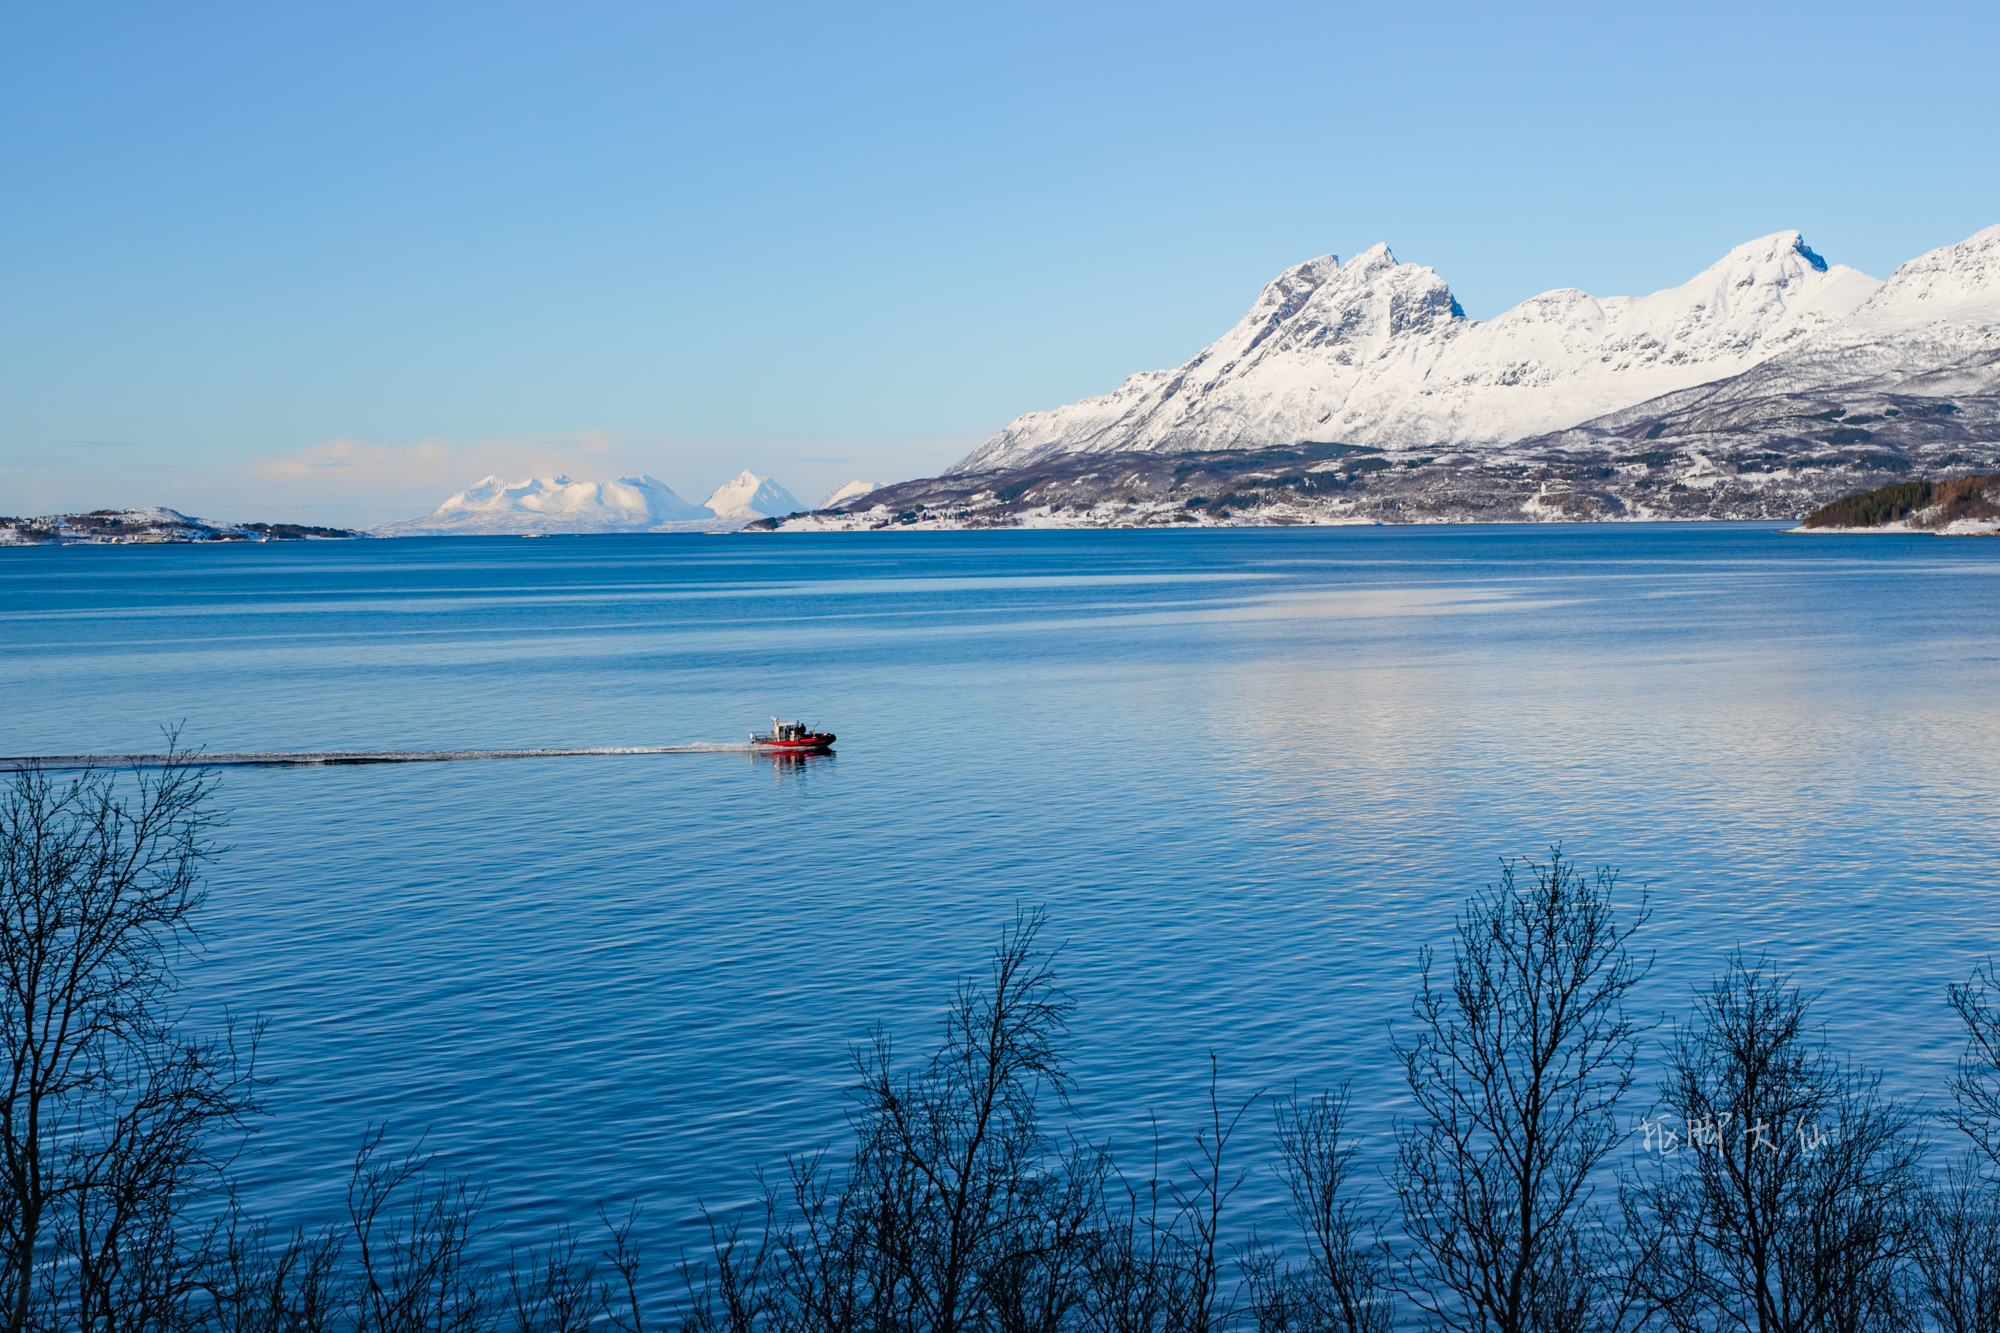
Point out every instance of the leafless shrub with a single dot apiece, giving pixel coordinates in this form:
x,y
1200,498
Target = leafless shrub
x,y
726,1292
1957,1252
1975,1088
1344,1285
552,1290
619,1295
412,1232
255,1282
1135,1280
1203,1299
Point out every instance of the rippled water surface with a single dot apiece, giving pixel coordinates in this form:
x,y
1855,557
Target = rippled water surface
x,y
1249,773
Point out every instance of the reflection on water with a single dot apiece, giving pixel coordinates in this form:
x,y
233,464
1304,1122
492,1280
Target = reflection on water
x,y
1249,773
794,766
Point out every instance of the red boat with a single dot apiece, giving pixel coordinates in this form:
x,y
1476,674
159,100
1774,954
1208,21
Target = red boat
x,y
792,738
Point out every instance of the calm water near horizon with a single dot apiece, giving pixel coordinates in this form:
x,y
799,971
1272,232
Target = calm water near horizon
x,y
1249,773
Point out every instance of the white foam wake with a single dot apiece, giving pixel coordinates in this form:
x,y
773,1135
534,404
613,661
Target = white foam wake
x,y
253,758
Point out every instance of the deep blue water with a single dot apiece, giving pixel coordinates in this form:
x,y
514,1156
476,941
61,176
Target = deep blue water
x,y
1249,773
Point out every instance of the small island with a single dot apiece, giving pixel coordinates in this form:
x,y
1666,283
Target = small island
x,y
128,527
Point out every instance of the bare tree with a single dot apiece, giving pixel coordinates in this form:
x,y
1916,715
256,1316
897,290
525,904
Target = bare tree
x,y
127,1247
1787,1201
115,1120
1516,1067
117,1211
959,1144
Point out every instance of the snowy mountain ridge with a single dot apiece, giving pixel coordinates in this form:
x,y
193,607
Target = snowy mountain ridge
x,y
1933,329
1377,352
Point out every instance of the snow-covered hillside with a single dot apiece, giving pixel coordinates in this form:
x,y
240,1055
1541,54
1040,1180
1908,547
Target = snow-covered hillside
x,y
1376,352
749,496
496,507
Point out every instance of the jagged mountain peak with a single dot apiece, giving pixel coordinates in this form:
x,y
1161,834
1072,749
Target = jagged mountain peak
x,y
1375,258
1778,247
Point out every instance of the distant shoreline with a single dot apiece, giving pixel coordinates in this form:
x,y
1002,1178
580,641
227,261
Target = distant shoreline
x,y
154,527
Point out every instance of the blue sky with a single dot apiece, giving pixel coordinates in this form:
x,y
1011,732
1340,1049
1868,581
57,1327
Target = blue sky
x,y
319,261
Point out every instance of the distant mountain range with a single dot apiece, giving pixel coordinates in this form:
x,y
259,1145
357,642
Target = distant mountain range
x,y
497,507
493,507
1769,384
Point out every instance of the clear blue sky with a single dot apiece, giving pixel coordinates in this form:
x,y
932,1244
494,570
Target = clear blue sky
x,y
327,258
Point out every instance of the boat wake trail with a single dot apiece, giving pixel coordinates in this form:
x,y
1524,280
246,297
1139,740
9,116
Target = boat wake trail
x,y
286,758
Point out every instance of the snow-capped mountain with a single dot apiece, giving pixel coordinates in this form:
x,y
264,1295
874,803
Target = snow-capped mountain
x,y
749,496
1377,352
1903,385
853,490
555,505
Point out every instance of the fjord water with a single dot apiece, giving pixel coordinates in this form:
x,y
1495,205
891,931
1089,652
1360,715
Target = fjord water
x,y
1249,773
